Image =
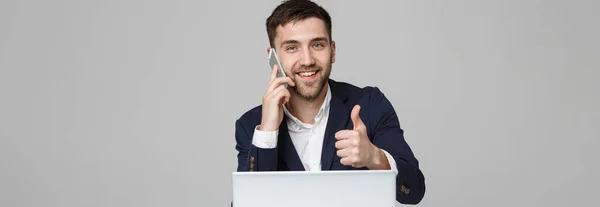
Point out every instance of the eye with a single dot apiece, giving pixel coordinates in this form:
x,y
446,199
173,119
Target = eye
x,y
290,48
318,45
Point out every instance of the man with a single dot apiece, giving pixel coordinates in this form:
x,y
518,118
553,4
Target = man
x,y
316,123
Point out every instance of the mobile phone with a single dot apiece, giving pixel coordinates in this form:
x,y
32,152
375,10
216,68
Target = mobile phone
x,y
274,60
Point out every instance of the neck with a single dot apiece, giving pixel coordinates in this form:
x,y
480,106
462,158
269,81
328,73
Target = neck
x,y
306,110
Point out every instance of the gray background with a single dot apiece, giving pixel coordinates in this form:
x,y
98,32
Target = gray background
x,y
133,103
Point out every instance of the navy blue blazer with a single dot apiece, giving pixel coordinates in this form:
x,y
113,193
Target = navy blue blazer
x,y
383,129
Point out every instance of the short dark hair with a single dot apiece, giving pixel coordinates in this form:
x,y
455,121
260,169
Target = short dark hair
x,y
295,10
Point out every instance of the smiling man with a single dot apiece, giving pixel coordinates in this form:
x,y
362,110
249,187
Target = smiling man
x,y
316,123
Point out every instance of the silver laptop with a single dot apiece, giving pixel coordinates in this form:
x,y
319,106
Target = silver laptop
x,y
315,189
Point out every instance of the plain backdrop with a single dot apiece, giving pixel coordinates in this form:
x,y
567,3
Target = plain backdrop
x,y
133,103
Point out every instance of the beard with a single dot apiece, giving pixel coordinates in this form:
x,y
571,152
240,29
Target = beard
x,y
310,90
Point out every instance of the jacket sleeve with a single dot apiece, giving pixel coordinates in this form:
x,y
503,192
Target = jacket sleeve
x,y
385,133
250,157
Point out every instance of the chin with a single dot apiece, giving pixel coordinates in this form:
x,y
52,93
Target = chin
x,y
309,93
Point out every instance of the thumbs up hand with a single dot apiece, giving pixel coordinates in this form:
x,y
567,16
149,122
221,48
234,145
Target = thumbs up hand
x,y
354,146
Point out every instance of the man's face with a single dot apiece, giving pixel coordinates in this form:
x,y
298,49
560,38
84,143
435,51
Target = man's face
x,y
306,53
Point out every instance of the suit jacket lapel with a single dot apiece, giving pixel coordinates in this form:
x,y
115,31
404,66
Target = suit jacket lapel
x,y
287,150
338,120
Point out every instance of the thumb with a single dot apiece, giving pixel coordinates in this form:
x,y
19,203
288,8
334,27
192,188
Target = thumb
x,y
356,121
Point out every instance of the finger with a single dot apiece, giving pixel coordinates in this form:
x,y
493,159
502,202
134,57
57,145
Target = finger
x,y
348,161
354,115
280,95
273,85
279,82
344,152
278,92
290,82
273,73
342,144
286,80
286,96
274,82
345,134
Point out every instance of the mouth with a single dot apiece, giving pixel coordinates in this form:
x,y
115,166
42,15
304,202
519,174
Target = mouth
x,y
308,75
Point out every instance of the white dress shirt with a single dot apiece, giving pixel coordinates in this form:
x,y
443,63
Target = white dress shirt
x,y
307,138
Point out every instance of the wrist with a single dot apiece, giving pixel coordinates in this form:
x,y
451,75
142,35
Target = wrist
x,y
266,127
379,160
375,159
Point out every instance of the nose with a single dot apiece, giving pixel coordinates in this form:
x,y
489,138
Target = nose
x,y
307,58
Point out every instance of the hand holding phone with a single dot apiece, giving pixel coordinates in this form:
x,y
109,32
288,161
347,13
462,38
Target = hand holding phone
x,y
276,95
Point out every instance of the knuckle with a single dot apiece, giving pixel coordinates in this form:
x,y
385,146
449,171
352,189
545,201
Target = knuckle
x,y
275,93
355,142
349,161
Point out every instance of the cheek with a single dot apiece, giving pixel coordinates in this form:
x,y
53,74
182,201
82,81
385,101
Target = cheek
x,y
289,63
288,68
324,58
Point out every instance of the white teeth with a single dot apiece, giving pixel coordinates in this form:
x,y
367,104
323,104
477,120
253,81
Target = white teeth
x,y
307,74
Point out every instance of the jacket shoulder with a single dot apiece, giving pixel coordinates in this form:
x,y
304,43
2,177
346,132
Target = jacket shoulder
x,y
354,92
251,117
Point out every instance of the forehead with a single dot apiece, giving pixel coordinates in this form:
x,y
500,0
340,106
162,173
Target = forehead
x,y
302,31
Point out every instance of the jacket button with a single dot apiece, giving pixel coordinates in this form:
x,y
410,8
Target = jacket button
x,y
251,163
404,190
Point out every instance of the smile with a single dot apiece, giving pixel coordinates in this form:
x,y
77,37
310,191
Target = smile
x,y
307,75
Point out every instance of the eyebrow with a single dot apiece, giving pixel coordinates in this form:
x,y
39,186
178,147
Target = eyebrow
x,y
316,39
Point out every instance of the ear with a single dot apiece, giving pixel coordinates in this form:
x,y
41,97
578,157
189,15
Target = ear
x,y
268,50
332,51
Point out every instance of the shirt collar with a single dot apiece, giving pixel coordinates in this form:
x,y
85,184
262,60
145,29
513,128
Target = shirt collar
x,y
295,123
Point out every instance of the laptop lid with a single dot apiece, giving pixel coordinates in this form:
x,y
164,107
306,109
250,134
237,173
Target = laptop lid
x,y
314,188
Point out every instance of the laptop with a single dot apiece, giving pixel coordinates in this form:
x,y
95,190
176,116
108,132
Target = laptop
x,y
351,188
